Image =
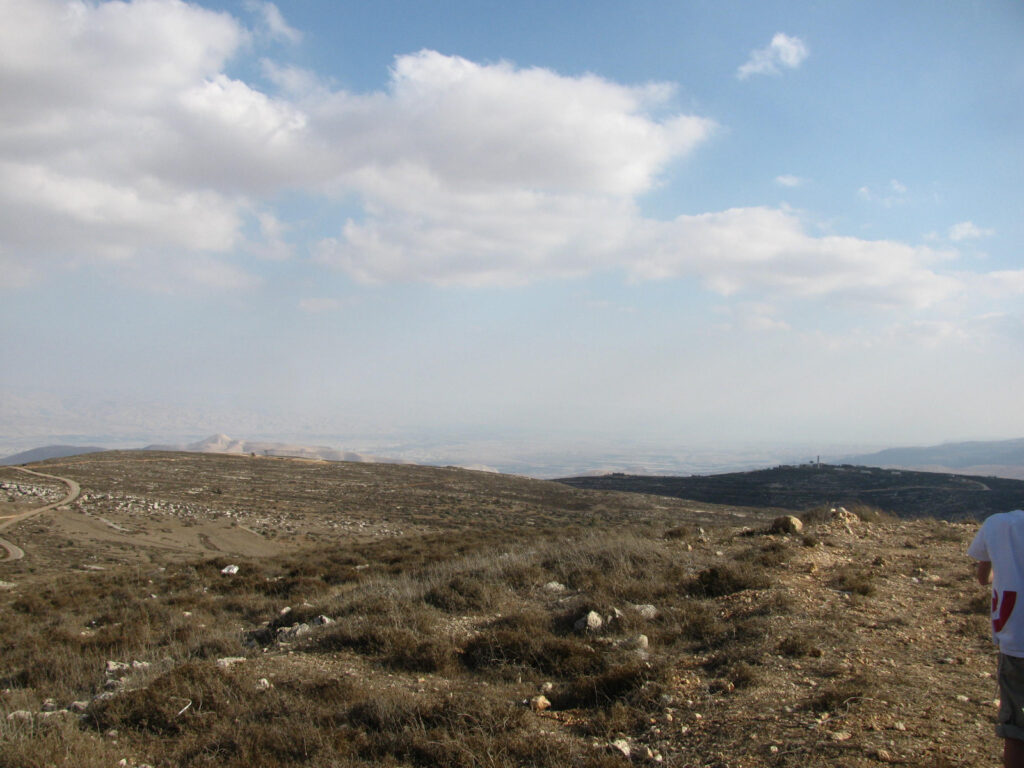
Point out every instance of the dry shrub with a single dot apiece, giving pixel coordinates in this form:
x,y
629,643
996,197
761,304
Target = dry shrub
x,y
636,683
465,592
401,633
772,555
855,579
524,642
163,707
843,693
798,646
727,579
694,621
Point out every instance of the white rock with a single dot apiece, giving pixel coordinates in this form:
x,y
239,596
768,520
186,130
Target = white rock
x,y
20,716
229,570
787,524
229,661
554,587
539,703
322,621
118,669
592,622
646,611
621,746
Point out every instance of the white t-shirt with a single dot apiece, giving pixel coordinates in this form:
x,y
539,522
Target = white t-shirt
x,y
1000,540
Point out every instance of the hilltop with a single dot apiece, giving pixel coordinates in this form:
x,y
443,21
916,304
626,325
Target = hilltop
x,y
201,610
903,493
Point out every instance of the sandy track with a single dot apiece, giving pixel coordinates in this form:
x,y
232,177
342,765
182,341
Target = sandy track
x,y
14,552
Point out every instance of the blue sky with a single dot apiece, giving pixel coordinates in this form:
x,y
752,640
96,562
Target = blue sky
x,y
688,223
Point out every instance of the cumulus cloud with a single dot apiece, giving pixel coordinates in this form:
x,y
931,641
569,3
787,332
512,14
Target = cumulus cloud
x,y
967,230
273,21
123,139
783,51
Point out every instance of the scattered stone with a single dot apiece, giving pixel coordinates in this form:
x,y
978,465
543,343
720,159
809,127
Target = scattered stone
x,y
229,661
622,747
263,684
842,736
787,524
49,705
554,587
322,621
285,634
962,699
647,612
638,643
229,570
540,703
57,714
20,716
118,669
592,622
140,666
79,707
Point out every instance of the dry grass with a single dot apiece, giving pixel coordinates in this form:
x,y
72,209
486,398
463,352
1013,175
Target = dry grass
x,y
440,641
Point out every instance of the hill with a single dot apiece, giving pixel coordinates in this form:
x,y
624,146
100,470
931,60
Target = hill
x,y
223,444
48,452
1000,458
900,492
417,616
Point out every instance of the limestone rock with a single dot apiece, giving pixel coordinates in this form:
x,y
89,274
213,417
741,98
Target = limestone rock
x,y
647,612
118,669
787,524
622,747
540,703
229,661
592,622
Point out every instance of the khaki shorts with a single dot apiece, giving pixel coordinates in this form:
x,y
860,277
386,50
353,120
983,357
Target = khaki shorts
x,y
1011,698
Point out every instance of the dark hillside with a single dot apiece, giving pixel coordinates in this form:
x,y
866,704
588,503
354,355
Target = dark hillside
x,y
901,492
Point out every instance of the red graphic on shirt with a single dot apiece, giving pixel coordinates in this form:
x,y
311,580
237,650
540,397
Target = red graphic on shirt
x,y
1004,607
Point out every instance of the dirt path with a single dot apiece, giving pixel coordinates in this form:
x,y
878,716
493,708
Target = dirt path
x,y
14,552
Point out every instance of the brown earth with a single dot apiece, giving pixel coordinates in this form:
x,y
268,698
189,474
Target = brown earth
x,y
861,642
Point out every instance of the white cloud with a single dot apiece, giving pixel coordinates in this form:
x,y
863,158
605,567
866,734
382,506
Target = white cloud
x,y
122,138
788,180
272,19
782,51
967,230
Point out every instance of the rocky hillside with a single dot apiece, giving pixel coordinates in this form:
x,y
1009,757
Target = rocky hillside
x,y
510,623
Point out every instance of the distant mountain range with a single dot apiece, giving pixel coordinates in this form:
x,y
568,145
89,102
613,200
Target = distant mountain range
x,y
48,452
225,444
992,458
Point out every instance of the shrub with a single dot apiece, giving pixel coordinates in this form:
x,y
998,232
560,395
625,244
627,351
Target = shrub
x,y
727,579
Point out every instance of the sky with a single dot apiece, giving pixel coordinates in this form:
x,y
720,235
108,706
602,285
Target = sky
x,y
669,223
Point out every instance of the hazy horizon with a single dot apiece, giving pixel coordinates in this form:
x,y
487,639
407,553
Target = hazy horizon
x,y
660,226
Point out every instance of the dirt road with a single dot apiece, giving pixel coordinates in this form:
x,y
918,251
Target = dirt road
x,y
14,552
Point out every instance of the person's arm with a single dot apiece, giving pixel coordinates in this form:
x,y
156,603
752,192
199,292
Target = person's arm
x,y
983,571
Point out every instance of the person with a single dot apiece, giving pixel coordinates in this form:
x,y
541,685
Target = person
x,y
999,549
